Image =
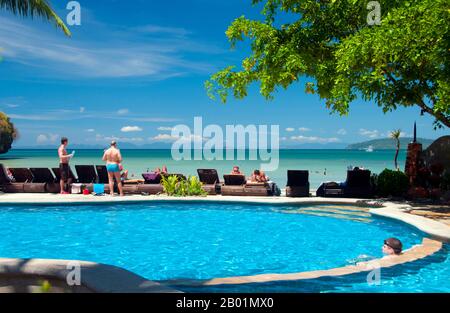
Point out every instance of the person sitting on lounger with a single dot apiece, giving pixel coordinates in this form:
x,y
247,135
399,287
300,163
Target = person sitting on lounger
x,y
10,175
159,171
123,173
392,246
113,158
236,171
258,177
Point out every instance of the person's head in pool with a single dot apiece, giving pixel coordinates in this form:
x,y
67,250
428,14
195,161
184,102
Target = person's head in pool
x,y
392,246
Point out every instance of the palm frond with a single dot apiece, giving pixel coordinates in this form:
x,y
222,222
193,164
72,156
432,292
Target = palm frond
x,y
35,8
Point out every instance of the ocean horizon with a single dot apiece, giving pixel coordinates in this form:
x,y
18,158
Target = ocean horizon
x,y
322,164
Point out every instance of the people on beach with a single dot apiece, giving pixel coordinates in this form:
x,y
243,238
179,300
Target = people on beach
x,y
113,159
64,168
236,171
10,175
392,246
258,177
123,172
163,171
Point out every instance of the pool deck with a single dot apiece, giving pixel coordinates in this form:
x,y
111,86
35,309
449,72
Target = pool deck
x,y
105,278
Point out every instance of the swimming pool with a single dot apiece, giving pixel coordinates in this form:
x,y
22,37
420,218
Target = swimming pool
x,y
166,241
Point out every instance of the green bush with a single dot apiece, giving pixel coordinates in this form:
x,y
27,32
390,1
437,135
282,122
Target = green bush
x,y
169,184
392,183
7,133
174,186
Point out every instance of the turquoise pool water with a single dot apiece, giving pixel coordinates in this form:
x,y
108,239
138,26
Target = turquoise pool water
x,y
163,241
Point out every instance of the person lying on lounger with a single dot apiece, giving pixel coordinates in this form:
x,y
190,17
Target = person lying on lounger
x,y
123,172
236,171
159,171
258,177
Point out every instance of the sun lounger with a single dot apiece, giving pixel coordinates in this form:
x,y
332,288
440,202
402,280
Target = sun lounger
x,y
235,185
44,175
86,174
25,176
210,180
102,174
297,184
357,185
151,178
57,172
6,185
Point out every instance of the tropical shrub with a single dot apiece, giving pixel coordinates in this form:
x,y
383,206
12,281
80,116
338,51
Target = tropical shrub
x,y
169,184
392,183
7,133
195,187
175,186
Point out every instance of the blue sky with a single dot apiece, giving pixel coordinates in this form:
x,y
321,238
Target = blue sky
x,y
136,68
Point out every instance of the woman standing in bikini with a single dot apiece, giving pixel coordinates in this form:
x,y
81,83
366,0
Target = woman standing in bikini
x,y
113,158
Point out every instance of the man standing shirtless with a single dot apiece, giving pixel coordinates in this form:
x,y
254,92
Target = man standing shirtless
x,y
64,168
113,158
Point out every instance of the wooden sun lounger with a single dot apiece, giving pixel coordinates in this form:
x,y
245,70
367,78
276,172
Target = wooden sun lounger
x,y
297,184
44,175
210,180
6,185
25,176
235,185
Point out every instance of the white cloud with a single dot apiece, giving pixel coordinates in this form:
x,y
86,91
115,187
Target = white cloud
x,y
12,105
46,138
129,129
156,29
170,137
120,53
370,133
82,109
304,129
31,117
90,130
342,132
123,111
290,129
314,139
162,128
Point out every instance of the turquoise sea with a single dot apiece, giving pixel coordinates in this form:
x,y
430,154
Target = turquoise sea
x,y
323,165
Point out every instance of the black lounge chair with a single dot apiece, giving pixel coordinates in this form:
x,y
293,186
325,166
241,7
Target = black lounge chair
x,y
86,174
357,185
6,185
235,185
44,175
25,176
57,172
297,184
102,174
22,175
210,180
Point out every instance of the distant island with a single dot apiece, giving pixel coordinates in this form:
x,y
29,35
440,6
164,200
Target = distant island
x,y
388,143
